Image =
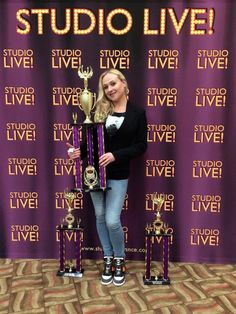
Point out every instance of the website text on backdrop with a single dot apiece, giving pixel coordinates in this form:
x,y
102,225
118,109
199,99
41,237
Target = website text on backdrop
x,y
160,231
125,138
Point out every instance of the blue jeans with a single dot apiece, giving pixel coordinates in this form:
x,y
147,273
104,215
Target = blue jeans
x,y
108,206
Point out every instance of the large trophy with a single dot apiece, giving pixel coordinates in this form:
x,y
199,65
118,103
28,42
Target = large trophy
x,y
160,230
91,179
70,267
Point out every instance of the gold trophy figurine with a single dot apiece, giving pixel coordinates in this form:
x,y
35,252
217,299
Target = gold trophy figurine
x,y
70,219
87,98
70,265
158,224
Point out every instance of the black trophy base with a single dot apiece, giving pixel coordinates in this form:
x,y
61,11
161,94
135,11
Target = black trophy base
x,y
96,189
76,190
160,280
70,273
70,228
86,189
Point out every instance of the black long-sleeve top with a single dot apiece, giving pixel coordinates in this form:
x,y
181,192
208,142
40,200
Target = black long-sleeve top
x,y
128,142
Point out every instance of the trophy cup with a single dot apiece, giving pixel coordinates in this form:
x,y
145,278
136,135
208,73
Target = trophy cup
x,y
87,98
91,179
160,230
69,224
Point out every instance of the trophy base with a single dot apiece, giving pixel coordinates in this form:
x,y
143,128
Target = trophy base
x,y
76,190
96,189
69,228
160,280
70,273
87,122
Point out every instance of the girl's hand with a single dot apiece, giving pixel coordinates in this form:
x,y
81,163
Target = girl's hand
x,y
73,153
106,159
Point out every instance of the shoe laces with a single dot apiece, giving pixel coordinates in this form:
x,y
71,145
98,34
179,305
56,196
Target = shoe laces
x,y
107,264
119,266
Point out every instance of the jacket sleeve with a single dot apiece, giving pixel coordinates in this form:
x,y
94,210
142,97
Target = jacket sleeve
x,y
139,143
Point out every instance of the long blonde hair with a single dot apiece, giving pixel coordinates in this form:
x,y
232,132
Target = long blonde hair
x,y
104,106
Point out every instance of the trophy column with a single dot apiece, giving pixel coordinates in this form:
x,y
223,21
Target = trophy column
x,y
69,225
76,144
161,279
101,151
148,254
165,256
78,251
157,230
61,249
69,269
91,179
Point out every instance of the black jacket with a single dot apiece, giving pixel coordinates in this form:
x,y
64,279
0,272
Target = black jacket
x,y
129,141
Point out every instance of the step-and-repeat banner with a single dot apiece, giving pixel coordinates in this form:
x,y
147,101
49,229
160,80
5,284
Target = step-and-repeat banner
x,y
179,60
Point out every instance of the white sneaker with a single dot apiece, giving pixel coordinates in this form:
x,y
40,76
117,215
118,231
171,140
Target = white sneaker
x,y
119,275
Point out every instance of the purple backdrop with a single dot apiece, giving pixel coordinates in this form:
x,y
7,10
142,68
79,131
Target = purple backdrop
x,y
179,60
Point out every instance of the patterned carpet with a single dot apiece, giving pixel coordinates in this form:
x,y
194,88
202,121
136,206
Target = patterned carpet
x,y
31,286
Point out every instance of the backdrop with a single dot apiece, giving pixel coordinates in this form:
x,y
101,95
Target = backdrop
x,y
179,60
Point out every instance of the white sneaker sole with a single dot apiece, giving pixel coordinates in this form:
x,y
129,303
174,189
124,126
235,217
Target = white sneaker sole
x,y
118,283
105,283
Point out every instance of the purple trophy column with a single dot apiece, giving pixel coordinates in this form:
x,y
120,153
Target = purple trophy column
x,y
78,251
165,256
148,257
89,134
76,144
62,249
101,151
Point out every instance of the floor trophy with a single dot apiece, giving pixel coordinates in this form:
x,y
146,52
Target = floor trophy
x,y
91,179
70,267
157,229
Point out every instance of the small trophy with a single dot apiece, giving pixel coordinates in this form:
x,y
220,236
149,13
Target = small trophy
x,y
157,229
69,224
91,179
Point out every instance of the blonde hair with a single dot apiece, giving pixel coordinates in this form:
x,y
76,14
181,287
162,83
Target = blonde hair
x,y
104,106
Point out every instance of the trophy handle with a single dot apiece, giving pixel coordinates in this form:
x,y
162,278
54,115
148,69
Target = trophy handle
x,y
80,106
74,117
94,102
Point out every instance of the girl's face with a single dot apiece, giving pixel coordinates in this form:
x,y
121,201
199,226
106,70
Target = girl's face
x,y
113,87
